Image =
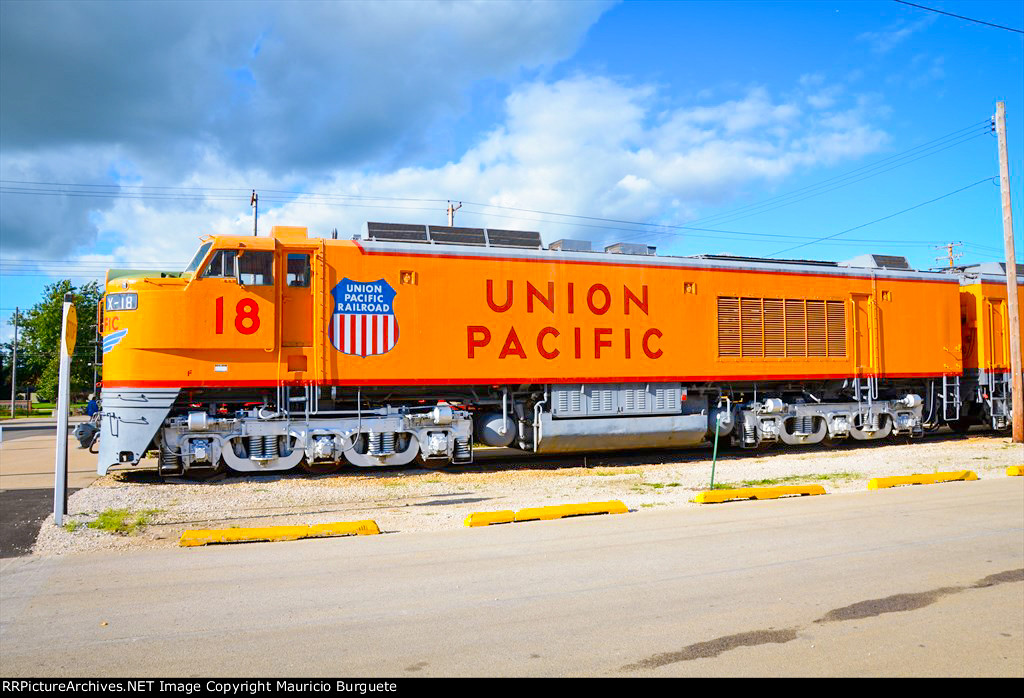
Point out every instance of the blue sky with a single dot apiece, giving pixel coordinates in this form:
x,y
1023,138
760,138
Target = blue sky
x,y
129,130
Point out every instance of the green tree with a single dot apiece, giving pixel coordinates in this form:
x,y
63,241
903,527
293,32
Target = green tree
x,y
39,339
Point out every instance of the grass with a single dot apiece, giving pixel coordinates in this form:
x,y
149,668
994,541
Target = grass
x,y
789,480
657,485
123,521
71,526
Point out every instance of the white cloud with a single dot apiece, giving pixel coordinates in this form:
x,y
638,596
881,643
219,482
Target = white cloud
x,y
583,145
895,34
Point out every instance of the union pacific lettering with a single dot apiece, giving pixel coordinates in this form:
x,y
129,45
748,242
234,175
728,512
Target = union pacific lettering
x,y
550,342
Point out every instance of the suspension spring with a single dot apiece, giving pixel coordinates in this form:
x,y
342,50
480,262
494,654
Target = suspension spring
x,y
803,425
374,443
463,450
749,433
168,460
387,443
256,447
270,447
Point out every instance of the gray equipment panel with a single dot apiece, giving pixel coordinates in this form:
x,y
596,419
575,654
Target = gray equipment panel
x,y
667,431
615,399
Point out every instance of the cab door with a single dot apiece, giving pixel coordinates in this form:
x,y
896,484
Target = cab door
x,y
297,299
865,339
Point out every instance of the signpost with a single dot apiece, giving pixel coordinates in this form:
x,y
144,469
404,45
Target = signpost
x,y
69,332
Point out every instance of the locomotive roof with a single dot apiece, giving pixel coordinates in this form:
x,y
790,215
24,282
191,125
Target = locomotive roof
x,y
510,244
809,267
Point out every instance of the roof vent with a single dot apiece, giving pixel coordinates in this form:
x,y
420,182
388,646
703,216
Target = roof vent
x,y
514,238
877,261
396,232
994,268
631,248
571,245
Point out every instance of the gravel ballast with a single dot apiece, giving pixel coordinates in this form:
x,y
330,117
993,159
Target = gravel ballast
x,y
410,500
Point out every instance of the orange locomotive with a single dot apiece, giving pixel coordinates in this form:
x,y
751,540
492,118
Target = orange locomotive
x,y
416,342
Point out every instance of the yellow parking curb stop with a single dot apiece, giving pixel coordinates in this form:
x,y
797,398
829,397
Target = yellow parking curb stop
x,y
277,533
921,479
719,496
563,510
485,518
1015,470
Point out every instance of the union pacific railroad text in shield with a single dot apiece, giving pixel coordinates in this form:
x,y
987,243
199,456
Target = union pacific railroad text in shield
x,y
363,322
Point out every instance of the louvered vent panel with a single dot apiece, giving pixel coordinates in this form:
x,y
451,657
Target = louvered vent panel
x,y
728,326
751,327
602,401
576,401
816,332
774,328
780,328
796,328
562,401
836,316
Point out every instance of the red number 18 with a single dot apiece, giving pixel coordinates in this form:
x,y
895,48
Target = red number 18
x,y
245,309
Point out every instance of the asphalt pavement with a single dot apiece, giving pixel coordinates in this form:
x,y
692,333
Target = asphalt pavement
x,y
27,456
914,581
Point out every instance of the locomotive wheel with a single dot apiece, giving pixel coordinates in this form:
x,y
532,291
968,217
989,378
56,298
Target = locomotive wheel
x,y
320,468
961,426
206,473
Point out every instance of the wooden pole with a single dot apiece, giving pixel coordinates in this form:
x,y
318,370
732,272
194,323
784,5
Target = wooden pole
x,y
1016,372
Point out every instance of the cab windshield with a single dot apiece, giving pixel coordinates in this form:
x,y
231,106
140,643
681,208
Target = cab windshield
x,y
194,264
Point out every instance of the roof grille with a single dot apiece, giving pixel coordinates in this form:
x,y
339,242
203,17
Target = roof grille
x,y
877,261
513,238
449,235
396,232
446,235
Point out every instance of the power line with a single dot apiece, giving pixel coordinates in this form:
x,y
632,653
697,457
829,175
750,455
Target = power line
x,y
884,162
884,218
117,191
950,14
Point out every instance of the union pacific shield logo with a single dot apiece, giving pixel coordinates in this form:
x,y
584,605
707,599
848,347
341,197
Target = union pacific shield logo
x,y
363,322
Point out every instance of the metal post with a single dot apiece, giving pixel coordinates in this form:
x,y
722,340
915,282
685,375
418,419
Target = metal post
x,y
14,364
67,348
1016,369
714,454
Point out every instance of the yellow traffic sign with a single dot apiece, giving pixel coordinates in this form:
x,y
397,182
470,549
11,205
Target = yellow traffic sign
x,y
71,329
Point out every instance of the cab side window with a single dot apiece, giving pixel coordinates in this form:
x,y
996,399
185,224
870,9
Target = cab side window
x,y
256,268
298,270
222,265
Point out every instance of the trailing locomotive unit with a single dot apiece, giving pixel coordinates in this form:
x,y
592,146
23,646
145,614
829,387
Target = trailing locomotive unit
x,y
414,342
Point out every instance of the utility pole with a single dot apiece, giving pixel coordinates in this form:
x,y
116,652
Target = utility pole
x,y
451,213
949,253
1016,370
255,203
14,364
